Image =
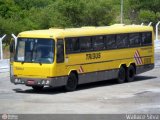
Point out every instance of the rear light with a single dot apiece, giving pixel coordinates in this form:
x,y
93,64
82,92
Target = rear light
x,y
45,82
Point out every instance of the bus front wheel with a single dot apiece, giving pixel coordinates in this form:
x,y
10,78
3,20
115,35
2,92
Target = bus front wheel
x,y
121,75
37,88
131,73
71,82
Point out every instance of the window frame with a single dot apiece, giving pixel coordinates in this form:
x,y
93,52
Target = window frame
x,y
91,48
67,39
126,44
140,40
106,46
105,40
148,44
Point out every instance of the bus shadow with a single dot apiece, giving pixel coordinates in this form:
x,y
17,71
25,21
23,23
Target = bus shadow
x,y
59,90
112,82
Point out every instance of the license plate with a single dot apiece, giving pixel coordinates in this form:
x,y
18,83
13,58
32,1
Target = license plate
x,y
30,82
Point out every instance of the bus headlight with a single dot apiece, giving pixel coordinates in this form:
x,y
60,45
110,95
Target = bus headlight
x,y
16,80
47,82
43,82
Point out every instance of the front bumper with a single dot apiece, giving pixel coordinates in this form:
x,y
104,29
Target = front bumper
x,y
52,82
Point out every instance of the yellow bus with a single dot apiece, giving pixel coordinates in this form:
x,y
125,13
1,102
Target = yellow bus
x,y
73,56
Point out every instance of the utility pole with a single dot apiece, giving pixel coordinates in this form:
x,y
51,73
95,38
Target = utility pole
x,y
157,30
121,11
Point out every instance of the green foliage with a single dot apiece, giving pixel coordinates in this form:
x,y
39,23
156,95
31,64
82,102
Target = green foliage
x,y
147,16
145,10
16,16
22,15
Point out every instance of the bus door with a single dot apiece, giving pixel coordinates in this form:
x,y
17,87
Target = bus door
x,y
60,56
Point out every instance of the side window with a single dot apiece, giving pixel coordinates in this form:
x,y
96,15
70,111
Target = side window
x,y
98,42
72,45
21,51
134,39
147,38
85,43
60,51
122,40
110,42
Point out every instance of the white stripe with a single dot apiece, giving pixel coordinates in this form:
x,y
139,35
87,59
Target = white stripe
x,y
80,69
140,59
136,57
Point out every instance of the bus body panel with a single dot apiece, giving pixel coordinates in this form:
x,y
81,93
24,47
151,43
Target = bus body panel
x,y
90,66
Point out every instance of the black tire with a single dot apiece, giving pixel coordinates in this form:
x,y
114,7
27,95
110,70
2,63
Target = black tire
x,y
130,73
121,75
72,83
37,88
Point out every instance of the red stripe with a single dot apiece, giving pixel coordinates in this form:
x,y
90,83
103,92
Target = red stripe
x,y
136,61
81,68
139,61
140,58
136,58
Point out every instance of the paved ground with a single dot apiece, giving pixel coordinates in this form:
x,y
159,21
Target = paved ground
x,y
141,96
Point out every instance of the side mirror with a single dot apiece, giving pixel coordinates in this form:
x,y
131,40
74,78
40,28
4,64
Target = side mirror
x,y
12,46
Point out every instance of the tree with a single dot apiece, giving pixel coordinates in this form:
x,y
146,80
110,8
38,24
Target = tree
x,y
145,10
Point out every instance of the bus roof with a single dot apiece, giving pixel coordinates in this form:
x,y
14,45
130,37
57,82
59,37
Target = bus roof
x,y
84,31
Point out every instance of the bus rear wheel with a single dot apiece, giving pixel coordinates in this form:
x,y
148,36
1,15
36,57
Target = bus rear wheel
x,y
72,82
121,75
130,73
37,88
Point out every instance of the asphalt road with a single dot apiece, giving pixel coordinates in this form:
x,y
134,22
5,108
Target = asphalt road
x,y
140,96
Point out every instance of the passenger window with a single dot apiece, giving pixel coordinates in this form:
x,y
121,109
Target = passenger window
x,y
147,38
85,43
98,42
122,40
110,42
72,45
134,39
60,51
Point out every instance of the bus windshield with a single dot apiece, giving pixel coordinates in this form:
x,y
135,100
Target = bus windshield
x,y
32,50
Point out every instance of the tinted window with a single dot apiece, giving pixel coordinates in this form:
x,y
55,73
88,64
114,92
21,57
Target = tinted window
x,y
85,43
122,40
110,42
146,38
98,43
134,39
60,51
72,45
